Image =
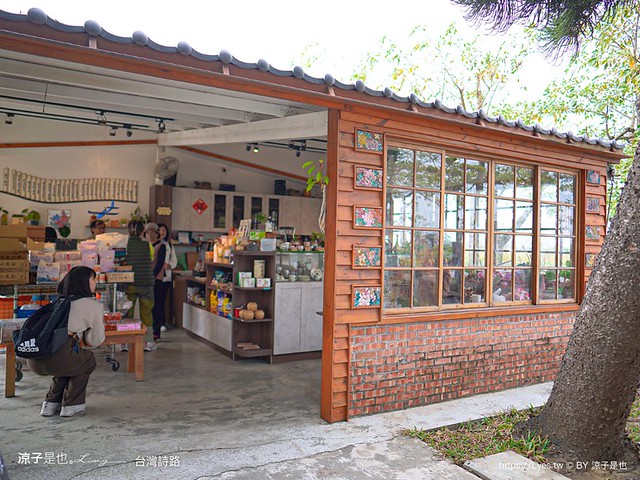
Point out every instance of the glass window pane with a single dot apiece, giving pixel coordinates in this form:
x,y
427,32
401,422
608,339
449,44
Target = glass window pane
x,y
566,282
503,251
397,248
399,207
476,177
502,286
549,186
451,286
428,168
567,188
504,181
453,249
565,220
475,249
523,286
504,215
524,250
475,217
453,211
547,285
426,249
524,183
566,252
400,167
474,286
219,208
425,288
548,251
427,209
548,219
397,288
454,174
524,217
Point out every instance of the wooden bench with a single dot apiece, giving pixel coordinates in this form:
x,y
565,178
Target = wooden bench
x,y
135,359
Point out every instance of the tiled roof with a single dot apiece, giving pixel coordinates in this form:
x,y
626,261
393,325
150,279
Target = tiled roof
x,y
92,28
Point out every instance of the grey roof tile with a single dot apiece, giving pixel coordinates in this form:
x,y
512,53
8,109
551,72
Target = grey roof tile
x,y
93,28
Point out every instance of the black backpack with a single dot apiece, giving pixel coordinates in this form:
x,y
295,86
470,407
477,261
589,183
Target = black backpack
x,y
45,331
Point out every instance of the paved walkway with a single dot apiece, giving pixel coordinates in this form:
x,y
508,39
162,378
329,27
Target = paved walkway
x,y
224,419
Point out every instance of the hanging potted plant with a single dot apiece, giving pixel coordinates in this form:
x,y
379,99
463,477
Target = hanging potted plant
x,y
4,216
317,176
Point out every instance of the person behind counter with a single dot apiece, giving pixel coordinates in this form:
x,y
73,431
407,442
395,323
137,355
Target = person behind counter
x,y
72,365
97,228
139,256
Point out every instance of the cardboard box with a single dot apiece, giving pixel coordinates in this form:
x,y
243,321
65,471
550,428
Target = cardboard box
x,y
263,282
248,283
243,275
14,255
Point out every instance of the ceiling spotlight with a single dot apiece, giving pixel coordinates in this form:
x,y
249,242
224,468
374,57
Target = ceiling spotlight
x,y
248,147
102,119
113,131
161,126
129,133
9,119
256,148
298,153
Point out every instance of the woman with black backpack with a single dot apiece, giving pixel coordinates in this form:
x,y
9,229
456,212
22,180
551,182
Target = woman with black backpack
x,y
72,365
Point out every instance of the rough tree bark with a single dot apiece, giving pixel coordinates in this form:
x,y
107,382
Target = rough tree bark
x,y
592,396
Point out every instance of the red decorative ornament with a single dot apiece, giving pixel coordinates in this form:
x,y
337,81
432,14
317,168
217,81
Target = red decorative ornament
x,y
199,206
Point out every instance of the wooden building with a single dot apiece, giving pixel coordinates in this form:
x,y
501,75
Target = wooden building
x,y
458,245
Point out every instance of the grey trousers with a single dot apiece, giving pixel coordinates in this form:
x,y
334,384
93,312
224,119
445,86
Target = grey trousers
x,y
71,367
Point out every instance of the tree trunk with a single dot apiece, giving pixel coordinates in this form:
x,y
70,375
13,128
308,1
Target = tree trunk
x,y
600,372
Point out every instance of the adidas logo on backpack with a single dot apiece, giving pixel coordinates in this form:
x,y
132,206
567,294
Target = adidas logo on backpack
x,y
28,346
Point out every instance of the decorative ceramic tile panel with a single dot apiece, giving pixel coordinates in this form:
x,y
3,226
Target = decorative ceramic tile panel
x,y
367,297
590,260
370,141
370,178
367,257
593,205
593,177
592,233
367,217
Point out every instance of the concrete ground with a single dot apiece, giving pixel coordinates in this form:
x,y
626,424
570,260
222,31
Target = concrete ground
x,y
199,415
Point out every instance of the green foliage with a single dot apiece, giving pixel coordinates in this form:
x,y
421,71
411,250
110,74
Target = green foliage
x,y
486,437
315,173
452,69
563,24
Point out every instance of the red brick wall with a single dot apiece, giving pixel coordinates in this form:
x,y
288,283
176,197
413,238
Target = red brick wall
x,y
398,366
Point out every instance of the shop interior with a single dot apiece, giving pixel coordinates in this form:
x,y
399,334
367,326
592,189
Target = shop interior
x,y
238,155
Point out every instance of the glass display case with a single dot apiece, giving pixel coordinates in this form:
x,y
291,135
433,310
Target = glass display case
x,y
299,266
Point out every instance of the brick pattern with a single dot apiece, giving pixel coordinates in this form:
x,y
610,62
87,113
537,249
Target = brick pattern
x,y
411,364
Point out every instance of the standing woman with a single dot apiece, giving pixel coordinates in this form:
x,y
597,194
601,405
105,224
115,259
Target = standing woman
x,y
72,365
167,280
139,256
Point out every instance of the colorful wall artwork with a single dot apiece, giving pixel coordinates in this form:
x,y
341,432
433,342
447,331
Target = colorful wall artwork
x,y
593,177
370,178
367,217
593,205
370,141
366,297
590,260
367,257
592,233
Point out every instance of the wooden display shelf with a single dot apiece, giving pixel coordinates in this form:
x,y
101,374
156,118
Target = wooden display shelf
x,y
238,319
263,352
201,280
202,307
220,264
253,288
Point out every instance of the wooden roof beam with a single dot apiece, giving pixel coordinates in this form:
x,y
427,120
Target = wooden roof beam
x,y
296,126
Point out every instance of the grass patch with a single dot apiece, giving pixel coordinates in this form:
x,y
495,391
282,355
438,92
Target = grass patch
x,y
495,434
485,437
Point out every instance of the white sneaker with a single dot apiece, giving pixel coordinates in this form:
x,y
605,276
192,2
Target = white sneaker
x,y
150,346
72,410
124,347
50,408
163,328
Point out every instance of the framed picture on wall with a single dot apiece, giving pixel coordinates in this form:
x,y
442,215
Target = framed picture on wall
x,y
367,217
366,296
369,141
367,178
367,257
